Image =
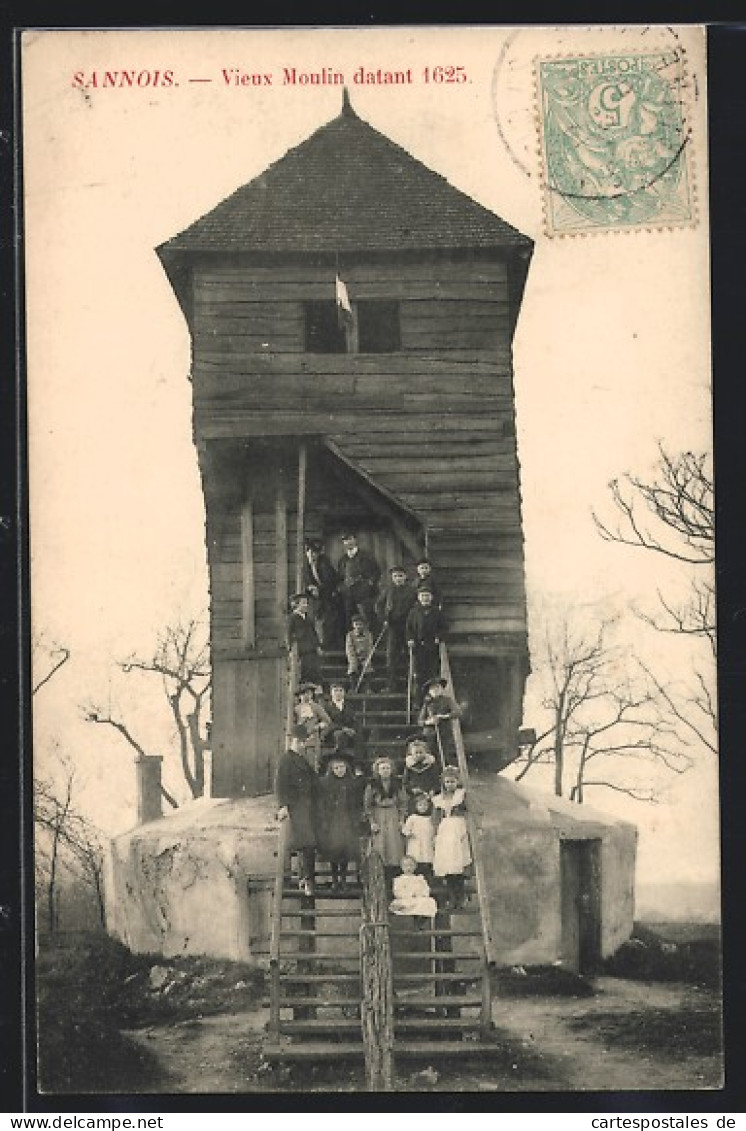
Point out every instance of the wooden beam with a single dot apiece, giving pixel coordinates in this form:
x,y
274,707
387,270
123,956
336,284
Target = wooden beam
x,y
281,548
299,532
381,501
248,600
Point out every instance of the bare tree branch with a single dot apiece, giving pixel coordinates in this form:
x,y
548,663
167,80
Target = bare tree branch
x,y
63,655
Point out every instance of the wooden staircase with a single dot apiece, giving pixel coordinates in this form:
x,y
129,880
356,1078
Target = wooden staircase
x,y
441,975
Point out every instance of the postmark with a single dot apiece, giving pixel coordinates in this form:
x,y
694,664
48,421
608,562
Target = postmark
x,y
614,142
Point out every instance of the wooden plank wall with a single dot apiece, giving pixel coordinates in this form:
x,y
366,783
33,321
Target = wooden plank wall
x,y
432,426
456,307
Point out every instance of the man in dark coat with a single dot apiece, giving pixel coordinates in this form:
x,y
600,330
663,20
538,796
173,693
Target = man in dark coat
x,y
295,787
359,575
397,599
302,632
424,631
321,583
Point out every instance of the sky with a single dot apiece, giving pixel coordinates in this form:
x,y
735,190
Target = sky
x,y
611,351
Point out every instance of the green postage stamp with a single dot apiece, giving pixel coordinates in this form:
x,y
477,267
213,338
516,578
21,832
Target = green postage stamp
x,y
614,142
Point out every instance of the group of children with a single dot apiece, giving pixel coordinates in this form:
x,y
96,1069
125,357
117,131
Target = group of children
x,y
415,821
349,601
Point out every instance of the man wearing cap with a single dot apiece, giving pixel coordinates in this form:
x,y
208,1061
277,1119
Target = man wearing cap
x,y
424,631
359,575
302,633
321,583
295,787
397,599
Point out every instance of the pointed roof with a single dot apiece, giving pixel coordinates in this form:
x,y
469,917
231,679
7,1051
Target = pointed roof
x,y
347,187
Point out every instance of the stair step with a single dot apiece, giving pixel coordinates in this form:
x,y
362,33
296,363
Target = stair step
x,y
438,933
322,892
442,1001
302,978
427,1048
313,1050
407,977
312,934
322,1025
317,912
306,955
317,1002
411,1024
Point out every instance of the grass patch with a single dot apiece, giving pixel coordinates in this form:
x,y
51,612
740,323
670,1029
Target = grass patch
x,y
540,981
676,952
90,987
685,1031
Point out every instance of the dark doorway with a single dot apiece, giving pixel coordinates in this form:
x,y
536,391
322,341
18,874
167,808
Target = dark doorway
x,y
580,887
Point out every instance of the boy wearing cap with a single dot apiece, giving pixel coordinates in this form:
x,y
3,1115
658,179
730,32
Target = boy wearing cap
x,y
424,630
397,600
302,632
321,583
359,576
358,647
425,579
295,787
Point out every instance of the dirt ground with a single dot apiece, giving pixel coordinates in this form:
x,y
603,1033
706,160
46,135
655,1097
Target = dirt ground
x,y
626,1036
114,1022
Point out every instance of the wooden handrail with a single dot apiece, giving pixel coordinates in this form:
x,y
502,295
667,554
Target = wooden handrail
x,y
274,940
292,687
471,825
376,974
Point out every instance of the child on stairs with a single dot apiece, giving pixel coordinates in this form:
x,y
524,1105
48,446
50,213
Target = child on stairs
x,y
412,893
452,854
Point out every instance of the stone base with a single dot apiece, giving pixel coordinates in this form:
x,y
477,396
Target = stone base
x,y
198,881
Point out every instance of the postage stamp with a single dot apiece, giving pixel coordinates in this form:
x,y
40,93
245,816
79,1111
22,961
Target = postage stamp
x,y
614,143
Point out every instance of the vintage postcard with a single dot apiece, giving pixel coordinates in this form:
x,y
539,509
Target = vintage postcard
x,y
372,559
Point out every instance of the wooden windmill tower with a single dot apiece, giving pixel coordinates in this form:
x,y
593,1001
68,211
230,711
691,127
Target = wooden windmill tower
x,y
399,422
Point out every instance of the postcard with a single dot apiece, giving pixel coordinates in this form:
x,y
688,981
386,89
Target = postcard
x,y
372,559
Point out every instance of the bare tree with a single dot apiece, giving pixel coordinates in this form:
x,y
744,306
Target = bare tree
x,y
47,658
673,515
181,661
603,728
65,840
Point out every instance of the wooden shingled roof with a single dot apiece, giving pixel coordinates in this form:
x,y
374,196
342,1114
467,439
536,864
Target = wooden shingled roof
x,y
347,187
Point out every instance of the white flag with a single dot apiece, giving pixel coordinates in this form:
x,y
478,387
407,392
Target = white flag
x,y
344,309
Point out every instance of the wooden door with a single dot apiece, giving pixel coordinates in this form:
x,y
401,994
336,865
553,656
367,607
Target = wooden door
x,y
580,896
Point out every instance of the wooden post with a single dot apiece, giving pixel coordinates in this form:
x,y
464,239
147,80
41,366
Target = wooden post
x,y
281,555
299,533
248,603
148,769
376,976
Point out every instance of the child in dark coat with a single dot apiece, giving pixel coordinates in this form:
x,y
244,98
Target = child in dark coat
x,y
344,721
436,711
397,600
302,633
424,630
425,579
421,770
338,817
